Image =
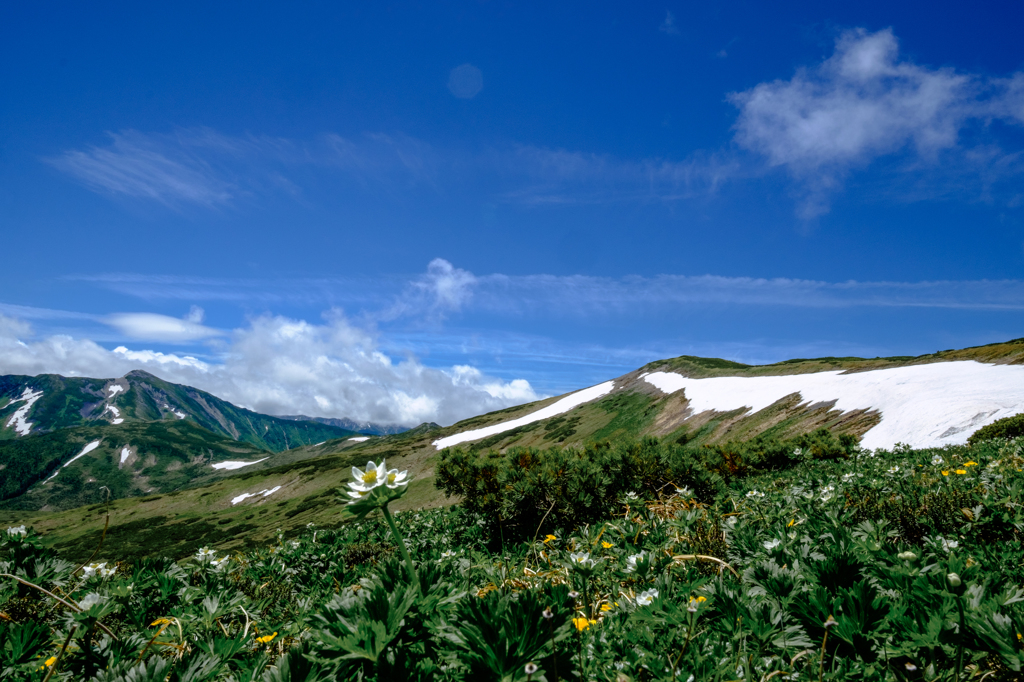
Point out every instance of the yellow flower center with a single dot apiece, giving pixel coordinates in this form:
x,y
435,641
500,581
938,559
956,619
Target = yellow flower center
x,y
370,476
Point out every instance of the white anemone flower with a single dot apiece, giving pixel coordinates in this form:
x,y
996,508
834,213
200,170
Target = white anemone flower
x,y
395,478
218,564
581,559
365,481
99,569
937,460
206,554
632,560
646,597
754,493
90,600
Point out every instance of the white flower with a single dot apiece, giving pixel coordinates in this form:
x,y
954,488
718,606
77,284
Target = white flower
x,y
395,478
17,531
949,544
646,597
893,470
218,564
772,544
206,554
99,569
447,554
937,460
826,493
684,492
754,493
367,480
632,559
631,495
581,559
90,600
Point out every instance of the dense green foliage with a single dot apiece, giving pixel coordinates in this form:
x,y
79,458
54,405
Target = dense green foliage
x,y
1008,427
570,487
845,565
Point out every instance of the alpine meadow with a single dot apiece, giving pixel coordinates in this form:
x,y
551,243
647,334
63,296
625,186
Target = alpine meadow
x,y
510,342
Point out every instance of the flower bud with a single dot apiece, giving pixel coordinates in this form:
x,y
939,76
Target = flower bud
x,y
954,580
907,556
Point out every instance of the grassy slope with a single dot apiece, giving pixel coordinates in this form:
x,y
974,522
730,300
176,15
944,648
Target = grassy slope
x,y
179,523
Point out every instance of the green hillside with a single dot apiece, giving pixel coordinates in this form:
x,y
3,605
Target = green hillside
x,y
139,396
130,459
305,479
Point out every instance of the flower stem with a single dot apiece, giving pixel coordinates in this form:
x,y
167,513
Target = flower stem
x,y
401,546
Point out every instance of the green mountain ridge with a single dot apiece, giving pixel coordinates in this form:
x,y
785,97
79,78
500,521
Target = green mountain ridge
x,y
65,402
305,480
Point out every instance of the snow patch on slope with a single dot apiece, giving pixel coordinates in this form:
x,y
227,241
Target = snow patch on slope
x,y
231,465
264,493
114,390
125,454
564,405
117,414
358,439
923,405
85,451
21,426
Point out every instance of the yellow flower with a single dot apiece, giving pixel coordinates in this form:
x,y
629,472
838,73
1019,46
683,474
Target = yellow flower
x,y
791,523
160,621
582,623
945,473
606,607
549,538
607,545
266,638
53,659
961,471
702,599
972,463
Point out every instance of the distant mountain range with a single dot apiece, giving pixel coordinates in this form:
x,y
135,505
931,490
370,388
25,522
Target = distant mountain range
x,y
48,402
368,428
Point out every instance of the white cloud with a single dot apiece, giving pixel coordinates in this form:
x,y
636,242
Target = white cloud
x,y
862,103
279,365
155,327
143,166
669,24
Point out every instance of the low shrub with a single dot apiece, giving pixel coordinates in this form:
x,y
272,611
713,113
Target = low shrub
x,y
1008,427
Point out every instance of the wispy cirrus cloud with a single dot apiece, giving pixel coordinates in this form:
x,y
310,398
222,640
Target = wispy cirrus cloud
x,y
862,103
445,290
147,167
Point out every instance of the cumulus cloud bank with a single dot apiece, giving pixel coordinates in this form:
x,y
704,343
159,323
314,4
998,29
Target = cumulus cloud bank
x,y
279,365
862,103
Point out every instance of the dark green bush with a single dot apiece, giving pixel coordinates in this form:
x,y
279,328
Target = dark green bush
x,y
566,488
1008,427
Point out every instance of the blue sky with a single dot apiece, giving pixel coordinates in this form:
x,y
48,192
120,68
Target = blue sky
x,y
422,211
